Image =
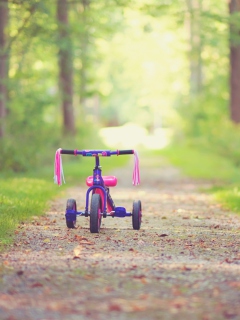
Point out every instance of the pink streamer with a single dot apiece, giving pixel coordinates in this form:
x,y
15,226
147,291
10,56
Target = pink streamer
x,y
58,168
136,172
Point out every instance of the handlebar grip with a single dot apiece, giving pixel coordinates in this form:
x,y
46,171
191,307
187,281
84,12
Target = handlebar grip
x,y
67,151
125,152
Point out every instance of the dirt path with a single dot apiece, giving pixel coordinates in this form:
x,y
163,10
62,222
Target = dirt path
x,y
184,263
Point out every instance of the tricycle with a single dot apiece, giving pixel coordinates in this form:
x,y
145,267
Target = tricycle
x,y
101,204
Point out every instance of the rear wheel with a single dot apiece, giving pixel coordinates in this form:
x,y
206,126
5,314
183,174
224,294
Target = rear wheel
x,y
71,217
136,215
95,213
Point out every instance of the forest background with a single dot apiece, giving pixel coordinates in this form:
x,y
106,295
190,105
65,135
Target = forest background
x,y
71,67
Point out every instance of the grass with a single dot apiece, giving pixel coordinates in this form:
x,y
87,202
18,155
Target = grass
x,y
200,164
197,163
229,196
25,195
21,198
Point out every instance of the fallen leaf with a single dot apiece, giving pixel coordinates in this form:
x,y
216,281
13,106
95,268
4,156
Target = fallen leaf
x,y
137,307
184,268
140,276
80,238
87,242
227,261
108,289
229,314
235,284
88,277
36,285
144,296
77,250
114,307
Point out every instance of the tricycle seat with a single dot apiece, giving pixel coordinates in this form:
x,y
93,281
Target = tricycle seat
x,y
110,181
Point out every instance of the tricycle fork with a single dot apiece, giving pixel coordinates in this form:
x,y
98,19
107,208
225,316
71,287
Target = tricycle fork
x,y
103,196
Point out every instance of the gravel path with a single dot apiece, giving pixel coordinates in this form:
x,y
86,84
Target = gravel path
x,y
184,263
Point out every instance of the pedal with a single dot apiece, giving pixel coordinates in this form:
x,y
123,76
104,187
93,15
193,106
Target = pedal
x,y
120,212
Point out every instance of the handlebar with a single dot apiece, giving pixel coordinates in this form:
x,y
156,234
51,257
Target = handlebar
x,y
96,153
58,169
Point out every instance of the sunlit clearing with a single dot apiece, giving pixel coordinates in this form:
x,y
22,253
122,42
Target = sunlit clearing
x,y
131,135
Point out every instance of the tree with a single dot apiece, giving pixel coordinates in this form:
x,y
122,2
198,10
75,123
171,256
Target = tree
x,y
3,64
84,51
65,68
195,44
234,10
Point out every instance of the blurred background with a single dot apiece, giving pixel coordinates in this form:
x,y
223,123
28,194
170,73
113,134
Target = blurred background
x,y
118,74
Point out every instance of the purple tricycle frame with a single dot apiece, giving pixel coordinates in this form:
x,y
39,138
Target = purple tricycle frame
x,y
101,204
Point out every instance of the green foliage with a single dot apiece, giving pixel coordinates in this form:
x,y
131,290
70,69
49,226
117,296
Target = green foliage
x,y
35,147
34,119
202,163
207,125
131,63
205,115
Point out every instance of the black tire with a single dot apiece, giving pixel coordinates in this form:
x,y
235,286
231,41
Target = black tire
x,y
95,210
136,215
71,218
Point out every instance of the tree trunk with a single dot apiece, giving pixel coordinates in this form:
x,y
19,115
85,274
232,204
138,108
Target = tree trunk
x,y
84,53
65,68
234,7
3,64
195,44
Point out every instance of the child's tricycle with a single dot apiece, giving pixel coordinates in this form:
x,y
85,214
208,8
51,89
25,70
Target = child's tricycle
x,y
102,204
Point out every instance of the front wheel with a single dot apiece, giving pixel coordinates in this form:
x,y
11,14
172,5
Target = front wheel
x,y
95,213
136,215
71,217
